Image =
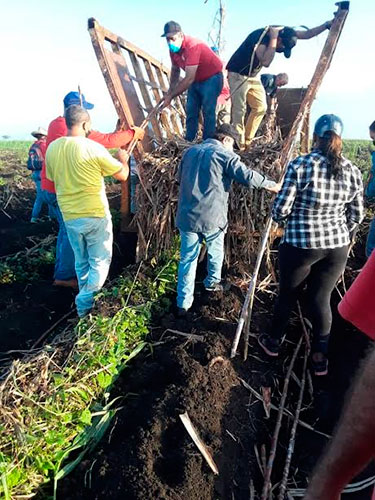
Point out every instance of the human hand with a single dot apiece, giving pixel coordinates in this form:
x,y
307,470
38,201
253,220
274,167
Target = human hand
x,y
328,24
122,156
274,31
277,231
139,133
167,100
275,188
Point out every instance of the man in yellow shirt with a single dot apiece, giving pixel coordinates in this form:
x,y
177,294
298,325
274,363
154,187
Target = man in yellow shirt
x,y
78,166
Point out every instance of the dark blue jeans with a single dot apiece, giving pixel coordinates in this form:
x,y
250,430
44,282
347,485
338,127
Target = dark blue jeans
x,y
64,265
203,95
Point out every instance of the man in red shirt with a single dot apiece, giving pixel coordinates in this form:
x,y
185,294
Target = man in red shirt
x,y
203,79
64,274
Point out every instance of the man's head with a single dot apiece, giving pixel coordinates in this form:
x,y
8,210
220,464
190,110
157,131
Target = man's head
x,y
281,79
74,98
39,133
78,121
286,40
174,36
227,135
372,131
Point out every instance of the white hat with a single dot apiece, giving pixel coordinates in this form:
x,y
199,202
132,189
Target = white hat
x,y
39,131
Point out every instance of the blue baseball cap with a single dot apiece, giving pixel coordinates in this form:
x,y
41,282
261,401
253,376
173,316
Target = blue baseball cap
x,y
328,123
74,98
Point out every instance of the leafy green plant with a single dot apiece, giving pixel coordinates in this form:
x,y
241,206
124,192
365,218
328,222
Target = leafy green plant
x,y
57,401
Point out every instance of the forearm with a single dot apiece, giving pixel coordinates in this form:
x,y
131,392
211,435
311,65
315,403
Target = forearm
x,y
269,53
306,35
353,446
175,76
183,85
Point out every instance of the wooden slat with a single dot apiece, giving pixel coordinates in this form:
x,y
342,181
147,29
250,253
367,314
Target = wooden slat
x,y
145,94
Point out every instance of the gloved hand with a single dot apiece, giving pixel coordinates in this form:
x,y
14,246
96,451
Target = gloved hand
x,y
139,133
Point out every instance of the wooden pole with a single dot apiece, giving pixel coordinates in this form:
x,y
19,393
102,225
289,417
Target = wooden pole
x,y
286,156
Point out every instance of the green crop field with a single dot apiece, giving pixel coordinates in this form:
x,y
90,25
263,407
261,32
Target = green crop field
x,y
354,149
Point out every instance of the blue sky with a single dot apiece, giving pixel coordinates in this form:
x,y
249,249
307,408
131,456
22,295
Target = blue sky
x,y
46,52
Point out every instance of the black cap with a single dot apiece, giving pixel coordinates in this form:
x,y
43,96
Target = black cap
x,y
229,130
289,39
171,27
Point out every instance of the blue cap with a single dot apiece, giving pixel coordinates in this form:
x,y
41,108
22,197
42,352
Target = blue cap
x,y
328,123
73,98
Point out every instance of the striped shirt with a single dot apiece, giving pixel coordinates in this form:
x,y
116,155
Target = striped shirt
x,y
317,209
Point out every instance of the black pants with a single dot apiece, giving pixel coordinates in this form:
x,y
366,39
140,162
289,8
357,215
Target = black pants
x,y
320,269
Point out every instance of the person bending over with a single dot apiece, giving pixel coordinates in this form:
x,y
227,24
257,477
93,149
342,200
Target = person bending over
x,y
203,79
257,51
205,176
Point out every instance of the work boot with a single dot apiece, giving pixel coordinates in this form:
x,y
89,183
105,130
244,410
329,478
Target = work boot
x,y
73,283
269,345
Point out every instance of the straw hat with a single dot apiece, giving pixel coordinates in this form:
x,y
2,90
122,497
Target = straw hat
x,y
39,132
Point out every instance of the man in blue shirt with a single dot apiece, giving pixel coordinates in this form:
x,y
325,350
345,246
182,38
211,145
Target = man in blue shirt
x,y
205,176
272,82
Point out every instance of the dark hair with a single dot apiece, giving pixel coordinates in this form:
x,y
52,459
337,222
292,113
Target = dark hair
x,y
372,127
330,146
74,115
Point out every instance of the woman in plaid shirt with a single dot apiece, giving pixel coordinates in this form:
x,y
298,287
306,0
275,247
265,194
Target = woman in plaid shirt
x,y
320,205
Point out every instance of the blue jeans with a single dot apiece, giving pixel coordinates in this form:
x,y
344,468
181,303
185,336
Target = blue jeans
x,y
370,243
39,200
64,265
189,253
91,239
203,95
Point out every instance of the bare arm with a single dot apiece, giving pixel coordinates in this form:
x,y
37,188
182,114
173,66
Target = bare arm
x,y
175,77
266,53
123,174
307,34
353,445
183,85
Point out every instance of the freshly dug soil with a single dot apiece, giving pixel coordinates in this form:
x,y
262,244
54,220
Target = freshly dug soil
x,y
148,454
28,309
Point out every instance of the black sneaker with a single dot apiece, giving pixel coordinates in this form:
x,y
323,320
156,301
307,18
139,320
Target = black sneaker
x,y
320,368
269,345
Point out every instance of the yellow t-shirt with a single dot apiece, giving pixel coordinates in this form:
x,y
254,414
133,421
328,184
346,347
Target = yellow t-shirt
x,y
77,166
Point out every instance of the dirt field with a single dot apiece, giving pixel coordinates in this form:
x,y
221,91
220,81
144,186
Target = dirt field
x,y
147,453
29,304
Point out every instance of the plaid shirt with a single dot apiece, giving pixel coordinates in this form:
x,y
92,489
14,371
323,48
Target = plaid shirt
x,y
318,210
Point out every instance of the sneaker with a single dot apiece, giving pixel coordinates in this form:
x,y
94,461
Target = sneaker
x,y
216,287
33,220
320,368
73,283
269,345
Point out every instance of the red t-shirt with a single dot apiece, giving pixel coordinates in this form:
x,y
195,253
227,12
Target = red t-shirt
x,y
358,304
57,128
193,52
224,97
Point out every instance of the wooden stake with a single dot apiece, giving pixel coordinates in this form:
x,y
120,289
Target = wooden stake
x,y
286,156
275,437
185,419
